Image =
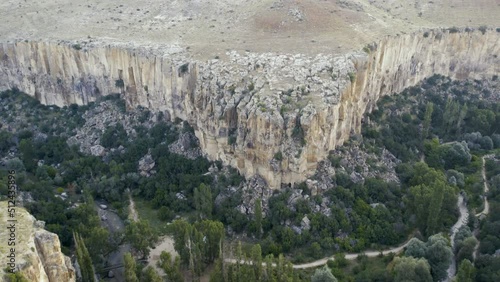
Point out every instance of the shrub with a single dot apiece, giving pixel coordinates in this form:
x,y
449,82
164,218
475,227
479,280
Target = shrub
x,y
231,140
298,133
483,29
184,68
352,77
426,34
165,214
453,29
278,156
77,46
119,83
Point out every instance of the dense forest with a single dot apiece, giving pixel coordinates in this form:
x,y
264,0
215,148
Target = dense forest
x,y
435,133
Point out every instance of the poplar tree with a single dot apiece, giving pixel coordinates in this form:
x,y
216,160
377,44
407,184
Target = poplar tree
x,y
171,267
466,272
256,255
130,267
84,260
435,207
258,217
429,109
150,275
203,201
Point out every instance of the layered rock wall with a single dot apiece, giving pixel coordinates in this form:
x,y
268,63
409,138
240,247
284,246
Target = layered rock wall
x,y
268,114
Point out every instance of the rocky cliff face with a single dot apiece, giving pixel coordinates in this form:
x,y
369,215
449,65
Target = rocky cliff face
x,y
269,114
38,252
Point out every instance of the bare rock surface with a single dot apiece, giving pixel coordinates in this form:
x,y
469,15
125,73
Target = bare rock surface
x,y
254,80
146,165
38,252
187,145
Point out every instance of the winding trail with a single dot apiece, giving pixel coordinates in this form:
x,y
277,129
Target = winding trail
x,y
486,208
323,261
132,211
462,220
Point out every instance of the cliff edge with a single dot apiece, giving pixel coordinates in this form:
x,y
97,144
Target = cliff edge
x,y
37,252
276,115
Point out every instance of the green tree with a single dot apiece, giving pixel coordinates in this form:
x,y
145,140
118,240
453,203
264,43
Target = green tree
x,y
429,109
466,272
141,236
258,217
217,275
16,164
150,275
323,274
130,268
435,206
462,234
181,235
430,198
467,249
416,248
171,267
98,243
203,201
411,269
213,238
421,196
439,256
256,256
5,141
27,150
84,260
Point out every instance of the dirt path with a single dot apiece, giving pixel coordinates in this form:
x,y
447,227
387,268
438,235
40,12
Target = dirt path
x,y
350,257
166,243
132,211
323,261
462,220
486,209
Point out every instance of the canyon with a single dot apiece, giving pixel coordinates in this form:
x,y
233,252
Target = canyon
x,y
270,88
272,114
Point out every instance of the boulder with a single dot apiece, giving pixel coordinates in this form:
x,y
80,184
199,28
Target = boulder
x,y
97,150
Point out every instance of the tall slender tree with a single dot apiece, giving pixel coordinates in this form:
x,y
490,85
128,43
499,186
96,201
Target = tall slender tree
x,y
203,201
84,260
429,109
258,217
130,268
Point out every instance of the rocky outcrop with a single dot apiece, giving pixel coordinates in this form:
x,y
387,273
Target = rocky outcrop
x,y
146,165
38,252
268,114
